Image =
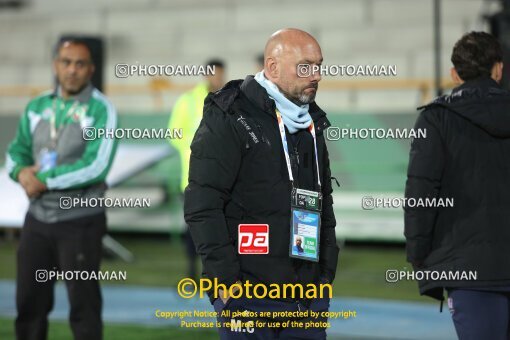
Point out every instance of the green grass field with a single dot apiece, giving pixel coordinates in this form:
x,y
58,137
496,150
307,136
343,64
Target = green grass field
x,y
60,330
161,263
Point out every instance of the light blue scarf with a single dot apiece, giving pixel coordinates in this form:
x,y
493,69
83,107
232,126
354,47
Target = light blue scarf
x,y
294,117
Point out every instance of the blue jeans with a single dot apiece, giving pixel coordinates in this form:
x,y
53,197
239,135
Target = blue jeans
x,y
480,314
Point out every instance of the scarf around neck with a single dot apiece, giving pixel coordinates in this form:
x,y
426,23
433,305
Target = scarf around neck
x,y
294,117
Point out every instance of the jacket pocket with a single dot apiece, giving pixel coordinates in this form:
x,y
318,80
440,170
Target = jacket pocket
x,y
234,214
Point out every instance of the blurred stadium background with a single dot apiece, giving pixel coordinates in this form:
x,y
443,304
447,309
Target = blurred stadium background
x,y
396,32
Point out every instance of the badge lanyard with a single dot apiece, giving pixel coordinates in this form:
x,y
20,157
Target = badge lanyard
x,y
311,128
305,209
53,125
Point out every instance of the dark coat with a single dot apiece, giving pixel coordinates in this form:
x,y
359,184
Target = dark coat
x,y
465,156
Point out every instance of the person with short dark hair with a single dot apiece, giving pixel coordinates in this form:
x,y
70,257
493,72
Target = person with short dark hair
x,y
465,157
55,164
476,55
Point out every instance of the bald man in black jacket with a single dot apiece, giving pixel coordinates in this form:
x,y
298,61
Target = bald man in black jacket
x,y
239,174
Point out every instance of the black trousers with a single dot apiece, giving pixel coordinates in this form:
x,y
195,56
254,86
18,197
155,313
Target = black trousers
x,y
74,245
312,327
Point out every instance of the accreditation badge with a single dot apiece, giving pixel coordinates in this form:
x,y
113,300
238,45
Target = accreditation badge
x,y
47,159
305,224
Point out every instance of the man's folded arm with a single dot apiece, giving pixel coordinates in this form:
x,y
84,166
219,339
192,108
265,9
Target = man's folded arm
x,y
214,164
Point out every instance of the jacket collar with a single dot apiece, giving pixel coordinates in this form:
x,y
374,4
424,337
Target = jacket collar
x,y
259,97
481,101
482,83
83,96
469,90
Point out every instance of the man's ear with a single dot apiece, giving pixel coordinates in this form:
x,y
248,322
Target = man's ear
x,y
497,71
455,76
271,68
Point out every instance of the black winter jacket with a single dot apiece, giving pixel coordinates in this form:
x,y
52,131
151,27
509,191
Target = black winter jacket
x,y
465,156
238,174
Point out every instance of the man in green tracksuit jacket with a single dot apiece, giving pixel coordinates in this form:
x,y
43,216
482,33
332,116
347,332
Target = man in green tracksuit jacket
x,y
54,162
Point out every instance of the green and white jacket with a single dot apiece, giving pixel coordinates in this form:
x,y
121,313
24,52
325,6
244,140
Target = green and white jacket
x,y
82,165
